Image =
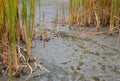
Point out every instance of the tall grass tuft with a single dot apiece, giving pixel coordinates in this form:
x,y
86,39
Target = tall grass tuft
x,y
12,13
94,12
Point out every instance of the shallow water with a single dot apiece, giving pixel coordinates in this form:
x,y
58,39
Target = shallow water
x,y
73,55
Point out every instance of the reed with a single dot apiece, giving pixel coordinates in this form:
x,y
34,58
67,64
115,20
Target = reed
x,y
95,12
11,33
10,13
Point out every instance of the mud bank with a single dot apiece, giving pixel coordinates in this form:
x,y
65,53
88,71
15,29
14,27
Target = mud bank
x,y
74,55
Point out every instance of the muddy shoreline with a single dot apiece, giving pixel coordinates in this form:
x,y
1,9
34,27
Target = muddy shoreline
x,y
74,55
77,57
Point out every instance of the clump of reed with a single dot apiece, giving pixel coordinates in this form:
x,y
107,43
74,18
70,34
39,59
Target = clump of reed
x,y
95,13
12,13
